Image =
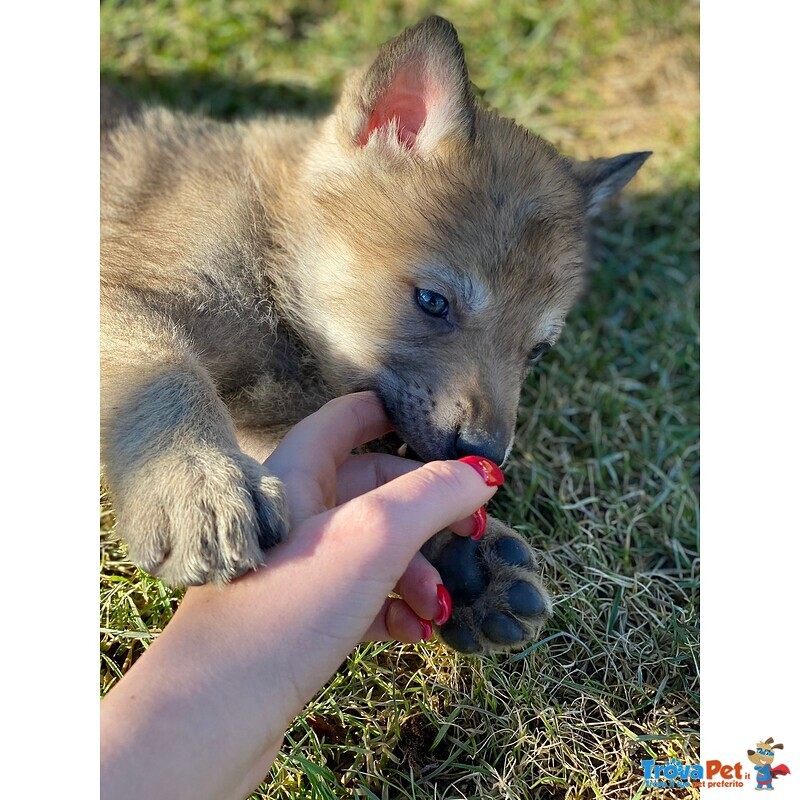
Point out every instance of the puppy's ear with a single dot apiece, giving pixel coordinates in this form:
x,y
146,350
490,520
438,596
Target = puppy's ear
x,y
603,177
416,93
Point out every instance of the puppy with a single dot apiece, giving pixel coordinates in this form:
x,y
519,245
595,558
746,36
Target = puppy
x,y
411,243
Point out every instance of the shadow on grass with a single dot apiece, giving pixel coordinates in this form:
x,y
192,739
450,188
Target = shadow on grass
x,y
218,96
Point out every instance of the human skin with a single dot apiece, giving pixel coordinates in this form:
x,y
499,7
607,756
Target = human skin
x,y
203,711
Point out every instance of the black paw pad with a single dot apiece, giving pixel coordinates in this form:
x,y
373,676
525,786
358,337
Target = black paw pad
x,y
499,602
512,552
459,639
462,571
502,629
525,600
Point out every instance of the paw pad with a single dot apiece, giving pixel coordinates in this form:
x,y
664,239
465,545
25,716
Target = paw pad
x,y
513,552
501,628
499,603
525,599
463,572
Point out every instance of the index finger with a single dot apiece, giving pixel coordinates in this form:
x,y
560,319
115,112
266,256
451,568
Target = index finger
x,y
380,531
363,473
309,455
337,428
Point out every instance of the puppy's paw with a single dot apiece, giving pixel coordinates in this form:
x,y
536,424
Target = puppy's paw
x,y
203,516
499,602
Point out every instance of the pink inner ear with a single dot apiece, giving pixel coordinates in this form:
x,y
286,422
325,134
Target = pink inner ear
x,y
404,100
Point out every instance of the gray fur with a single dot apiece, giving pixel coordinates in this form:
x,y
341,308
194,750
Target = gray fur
x,y
252,271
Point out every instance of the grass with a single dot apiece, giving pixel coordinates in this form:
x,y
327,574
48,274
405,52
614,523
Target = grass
x,y
605,475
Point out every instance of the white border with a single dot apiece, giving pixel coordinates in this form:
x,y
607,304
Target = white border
x,y
750,390
750,396
50,65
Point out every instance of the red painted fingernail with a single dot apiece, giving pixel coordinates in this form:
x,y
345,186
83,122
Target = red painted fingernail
x,y
479,518
492,474
445,604
427,630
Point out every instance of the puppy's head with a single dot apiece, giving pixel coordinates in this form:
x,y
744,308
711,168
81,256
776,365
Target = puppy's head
x,y
449,245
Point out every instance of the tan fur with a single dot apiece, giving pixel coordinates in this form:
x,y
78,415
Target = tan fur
x,y
251,271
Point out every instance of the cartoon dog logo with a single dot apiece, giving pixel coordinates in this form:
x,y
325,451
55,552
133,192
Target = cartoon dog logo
x,y
762,757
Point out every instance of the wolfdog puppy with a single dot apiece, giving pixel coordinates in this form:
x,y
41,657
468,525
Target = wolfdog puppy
x,y
411,243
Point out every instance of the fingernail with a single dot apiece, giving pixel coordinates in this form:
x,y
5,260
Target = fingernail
x,y
492,474
445,604
479,518
427,630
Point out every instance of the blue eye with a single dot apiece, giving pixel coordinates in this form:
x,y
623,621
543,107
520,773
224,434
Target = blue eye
x,y
432,303
538,352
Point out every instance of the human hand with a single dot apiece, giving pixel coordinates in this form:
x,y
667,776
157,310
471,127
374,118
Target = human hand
x,y
237,663
314,462
357,525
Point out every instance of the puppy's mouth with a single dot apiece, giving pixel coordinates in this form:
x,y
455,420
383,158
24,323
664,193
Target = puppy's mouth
x,y
414,435
393,445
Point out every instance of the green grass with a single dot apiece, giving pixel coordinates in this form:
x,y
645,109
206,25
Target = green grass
x,y
605,476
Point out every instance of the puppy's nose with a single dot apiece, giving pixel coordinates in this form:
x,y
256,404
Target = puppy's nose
x,y
471,443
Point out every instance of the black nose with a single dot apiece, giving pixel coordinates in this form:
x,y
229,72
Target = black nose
x,y
469,443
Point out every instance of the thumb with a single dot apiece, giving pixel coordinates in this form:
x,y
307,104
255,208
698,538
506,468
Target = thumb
x,y
387,526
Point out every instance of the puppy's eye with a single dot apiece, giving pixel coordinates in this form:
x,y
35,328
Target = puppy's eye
x,y
432,303
538,352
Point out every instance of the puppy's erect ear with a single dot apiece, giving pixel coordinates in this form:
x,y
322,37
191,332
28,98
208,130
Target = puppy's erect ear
x,y
417,92
603,177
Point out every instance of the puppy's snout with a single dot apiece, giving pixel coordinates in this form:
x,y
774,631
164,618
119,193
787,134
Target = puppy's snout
x,y
480,443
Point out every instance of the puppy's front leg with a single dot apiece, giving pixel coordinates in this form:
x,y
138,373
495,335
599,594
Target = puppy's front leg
x,y
193,508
